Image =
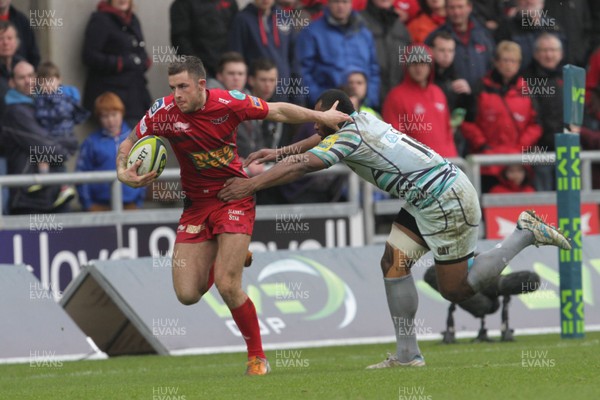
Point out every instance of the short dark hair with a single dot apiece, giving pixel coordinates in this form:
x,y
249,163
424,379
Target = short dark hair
x,y
261,64
440,35
229,57
328,97
4,25
190,64
48,69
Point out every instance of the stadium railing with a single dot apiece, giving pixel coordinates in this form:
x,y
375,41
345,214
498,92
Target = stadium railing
x,y
120,217
360,195
472,167
477,161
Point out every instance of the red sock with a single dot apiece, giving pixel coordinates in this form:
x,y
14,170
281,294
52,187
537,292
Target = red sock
x,y
211,277
247,322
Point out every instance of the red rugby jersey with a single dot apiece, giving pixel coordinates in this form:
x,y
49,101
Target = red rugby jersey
x,y
204,141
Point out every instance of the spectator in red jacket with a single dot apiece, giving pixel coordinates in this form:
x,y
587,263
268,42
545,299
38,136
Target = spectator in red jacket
x,y
513,179
592,83
505,121
431,17
418,107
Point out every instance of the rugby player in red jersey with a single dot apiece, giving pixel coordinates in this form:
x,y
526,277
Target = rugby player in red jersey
x,y
201,126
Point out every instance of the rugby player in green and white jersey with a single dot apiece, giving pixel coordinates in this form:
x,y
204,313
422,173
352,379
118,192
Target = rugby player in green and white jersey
x,y
441,214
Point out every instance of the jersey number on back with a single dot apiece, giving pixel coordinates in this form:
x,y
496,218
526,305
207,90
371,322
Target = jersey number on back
x,y
417,147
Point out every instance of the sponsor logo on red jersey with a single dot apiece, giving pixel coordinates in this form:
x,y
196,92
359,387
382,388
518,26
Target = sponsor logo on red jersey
x,y
158,104
218,158
256,103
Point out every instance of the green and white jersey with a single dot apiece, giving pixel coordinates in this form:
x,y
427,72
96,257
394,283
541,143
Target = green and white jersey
x,y
389,159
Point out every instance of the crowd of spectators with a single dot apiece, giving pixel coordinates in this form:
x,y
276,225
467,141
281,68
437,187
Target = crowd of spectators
x,y
462,76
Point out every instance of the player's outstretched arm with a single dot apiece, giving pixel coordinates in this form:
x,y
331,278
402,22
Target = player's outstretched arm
x,y
269,155
293,114
129,176
286,171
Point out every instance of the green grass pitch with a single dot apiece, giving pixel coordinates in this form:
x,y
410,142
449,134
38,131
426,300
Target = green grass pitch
x,y
533,367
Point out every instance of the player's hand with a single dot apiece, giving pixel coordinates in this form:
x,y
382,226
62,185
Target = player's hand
x,y
255,169
261,156
460,86
131,178
235,189
491,25
333,117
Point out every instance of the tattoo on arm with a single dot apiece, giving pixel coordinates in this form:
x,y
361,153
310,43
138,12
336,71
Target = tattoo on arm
x,y
122,155
132,136
121,160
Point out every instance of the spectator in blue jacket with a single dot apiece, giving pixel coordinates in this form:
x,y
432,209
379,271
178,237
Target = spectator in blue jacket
x,y
57,110
99,153
57,106
261,30
28,145
474,43
334,45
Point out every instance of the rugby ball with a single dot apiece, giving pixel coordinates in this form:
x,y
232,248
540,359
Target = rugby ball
x,y
152,152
